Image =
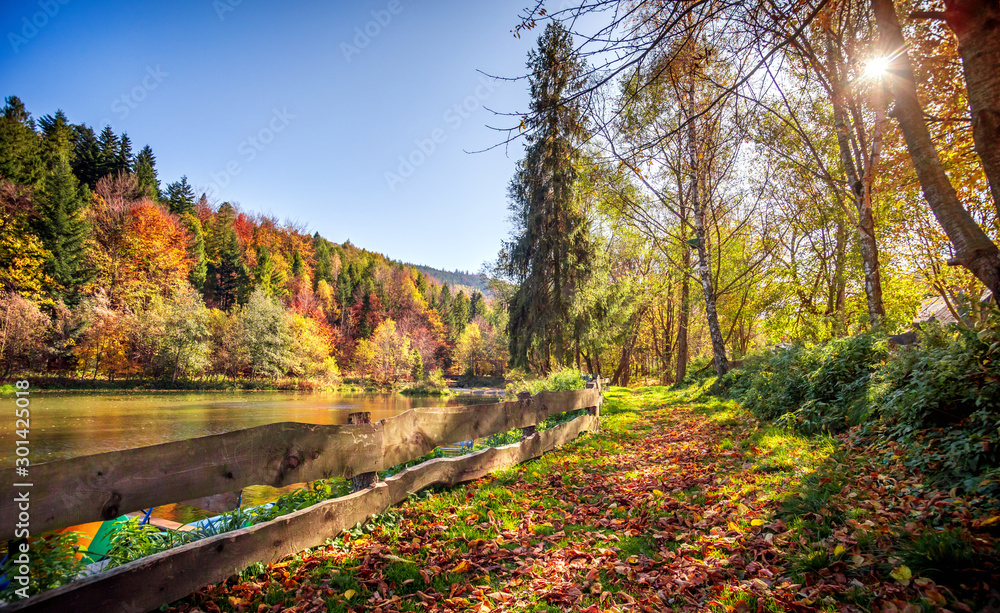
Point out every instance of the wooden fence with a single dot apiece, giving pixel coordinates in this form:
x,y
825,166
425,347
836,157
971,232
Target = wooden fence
x,y
104,486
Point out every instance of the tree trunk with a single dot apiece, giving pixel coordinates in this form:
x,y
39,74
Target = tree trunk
x,y
177,365
711,313
973,249
621,373
704,259
667,325
839,294
866,222
976,24
684,315
557,287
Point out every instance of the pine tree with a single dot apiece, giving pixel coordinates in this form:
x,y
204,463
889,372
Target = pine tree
x,y
86,155
228,278
145,173
421,284
550,251
460,310
109,148
416,365
196,250
20,148
180,197
265,277
477,306
57,138
324,269
61,227
125,160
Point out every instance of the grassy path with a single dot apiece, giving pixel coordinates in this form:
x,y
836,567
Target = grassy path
x,y
682,502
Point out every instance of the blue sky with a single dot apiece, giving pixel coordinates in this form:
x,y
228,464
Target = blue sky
x,y
301,110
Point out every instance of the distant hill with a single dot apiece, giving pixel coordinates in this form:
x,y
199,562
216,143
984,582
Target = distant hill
x,y
453,278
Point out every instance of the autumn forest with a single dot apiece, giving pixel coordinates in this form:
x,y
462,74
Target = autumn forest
x,y
769,230
111,275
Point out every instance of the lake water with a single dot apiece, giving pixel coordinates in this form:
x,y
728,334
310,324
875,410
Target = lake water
x,y
66,425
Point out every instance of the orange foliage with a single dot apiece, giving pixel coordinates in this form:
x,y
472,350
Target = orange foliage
x,y
154,251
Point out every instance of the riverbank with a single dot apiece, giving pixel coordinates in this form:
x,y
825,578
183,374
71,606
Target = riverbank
x,y
43,383
682,502
349,386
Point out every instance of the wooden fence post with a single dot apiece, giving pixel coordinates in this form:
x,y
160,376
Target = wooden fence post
x,y
362,481
525,398
596,410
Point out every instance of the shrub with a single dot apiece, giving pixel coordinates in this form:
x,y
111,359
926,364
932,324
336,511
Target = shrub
x,y
814,388
938,401
562,380
941,401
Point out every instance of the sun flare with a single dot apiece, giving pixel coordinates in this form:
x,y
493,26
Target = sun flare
x,y
877,67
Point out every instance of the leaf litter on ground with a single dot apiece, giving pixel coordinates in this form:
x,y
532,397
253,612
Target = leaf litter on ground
x,y
682,502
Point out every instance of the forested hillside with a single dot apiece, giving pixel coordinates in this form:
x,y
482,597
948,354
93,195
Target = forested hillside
x,y
107,274
454,278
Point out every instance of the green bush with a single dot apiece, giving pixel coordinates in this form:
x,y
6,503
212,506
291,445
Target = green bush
x,y
814,388
951,375
937,402
941,400
557,381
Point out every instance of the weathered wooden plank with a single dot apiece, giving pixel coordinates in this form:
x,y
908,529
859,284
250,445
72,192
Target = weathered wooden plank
x,y
146,584
106,485
417,432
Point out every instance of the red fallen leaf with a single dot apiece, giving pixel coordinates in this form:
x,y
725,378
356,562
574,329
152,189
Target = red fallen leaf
x,y
424,597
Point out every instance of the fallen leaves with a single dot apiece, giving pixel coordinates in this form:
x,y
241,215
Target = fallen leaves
x,y
650,515
902,574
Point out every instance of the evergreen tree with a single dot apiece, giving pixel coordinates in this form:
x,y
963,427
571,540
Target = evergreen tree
x,y
196,250
477,306
444,300
227,278
324,269
549,252
180,197
86,155
20,148
125,160
109,148
421,284
297,266
145,173
267,277
345,289
460,310
61,227
416,365
57,138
